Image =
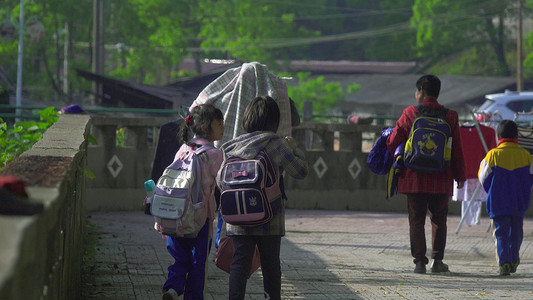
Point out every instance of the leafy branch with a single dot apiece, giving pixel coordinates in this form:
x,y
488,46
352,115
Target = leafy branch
x,y
23,135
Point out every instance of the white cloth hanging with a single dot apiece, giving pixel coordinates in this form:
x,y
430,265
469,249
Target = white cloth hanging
x,y
471,217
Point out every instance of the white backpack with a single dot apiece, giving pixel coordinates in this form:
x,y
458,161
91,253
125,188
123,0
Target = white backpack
x,y
178,205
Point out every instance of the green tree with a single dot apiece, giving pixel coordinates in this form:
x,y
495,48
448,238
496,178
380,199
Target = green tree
x,y
64,21
528,47
472,30
151,37
147,39
362,30
24,134
252,30
323,96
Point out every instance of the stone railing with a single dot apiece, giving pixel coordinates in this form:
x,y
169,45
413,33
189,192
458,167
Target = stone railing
x,y
41,255
338,178
121,161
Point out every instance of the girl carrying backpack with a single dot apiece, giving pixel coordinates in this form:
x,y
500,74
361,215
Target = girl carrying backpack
x,y
261,121
188,273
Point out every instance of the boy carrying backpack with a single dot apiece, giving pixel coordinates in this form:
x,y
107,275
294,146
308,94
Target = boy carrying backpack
x,y
427,180
428,148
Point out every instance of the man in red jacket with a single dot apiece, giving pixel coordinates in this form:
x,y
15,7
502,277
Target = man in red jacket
x,y
428,191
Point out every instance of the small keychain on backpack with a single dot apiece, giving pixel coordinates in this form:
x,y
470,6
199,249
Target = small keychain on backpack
x,y
149,187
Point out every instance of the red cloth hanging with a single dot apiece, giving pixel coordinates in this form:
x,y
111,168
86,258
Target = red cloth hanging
x,y
473,150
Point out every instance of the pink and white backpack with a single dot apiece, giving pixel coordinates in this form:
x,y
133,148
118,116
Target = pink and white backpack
x,y
178,205
248,187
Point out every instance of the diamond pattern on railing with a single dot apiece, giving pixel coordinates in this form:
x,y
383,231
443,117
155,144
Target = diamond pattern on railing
x,y
354,163
320,167
114,166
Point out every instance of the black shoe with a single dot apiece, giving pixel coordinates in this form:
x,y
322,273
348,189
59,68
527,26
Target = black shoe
x,y
13,204
514,266
505,269
439,267
420,267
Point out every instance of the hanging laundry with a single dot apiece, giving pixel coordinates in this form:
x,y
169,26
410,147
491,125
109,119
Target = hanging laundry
x,y
525,138
474,152
473,149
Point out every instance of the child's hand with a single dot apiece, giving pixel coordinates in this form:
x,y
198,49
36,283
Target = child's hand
x,y
291,141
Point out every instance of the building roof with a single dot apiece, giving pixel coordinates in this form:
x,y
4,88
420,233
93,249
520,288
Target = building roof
x,y
386,87
139,95
391,93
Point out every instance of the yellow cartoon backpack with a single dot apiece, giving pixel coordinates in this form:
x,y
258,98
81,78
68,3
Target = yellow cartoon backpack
x,y
429,147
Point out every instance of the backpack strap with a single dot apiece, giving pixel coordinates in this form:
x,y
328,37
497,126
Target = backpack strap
x,y
199,149
430,112
282,187
278,188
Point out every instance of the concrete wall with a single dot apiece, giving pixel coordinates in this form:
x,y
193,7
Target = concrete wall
x,y
335,150
338,179
120,170
338,176
41,255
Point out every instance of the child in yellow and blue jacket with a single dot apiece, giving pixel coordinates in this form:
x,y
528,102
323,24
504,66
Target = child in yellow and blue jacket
x,y
506,174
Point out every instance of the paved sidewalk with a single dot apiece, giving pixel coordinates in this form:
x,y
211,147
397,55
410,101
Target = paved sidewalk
x,y
325,255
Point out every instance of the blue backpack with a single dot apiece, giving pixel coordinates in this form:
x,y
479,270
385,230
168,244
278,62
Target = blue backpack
x,y
429,146
379,159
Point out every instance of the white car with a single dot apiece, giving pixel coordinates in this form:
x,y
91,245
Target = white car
x,y
509,105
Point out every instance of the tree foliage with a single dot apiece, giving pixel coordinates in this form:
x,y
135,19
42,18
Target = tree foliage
x,y
150,37
473,29
528,48
43,60
23,134
147,39
253,30
324,96
362,30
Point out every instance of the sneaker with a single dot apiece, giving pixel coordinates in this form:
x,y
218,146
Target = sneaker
x,y
170,294
420,267
437,266
514,266
505,269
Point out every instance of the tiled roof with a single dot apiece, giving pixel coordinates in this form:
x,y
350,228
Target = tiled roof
x,y
386,91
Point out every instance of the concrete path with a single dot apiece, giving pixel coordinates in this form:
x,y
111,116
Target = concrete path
x,y
325,255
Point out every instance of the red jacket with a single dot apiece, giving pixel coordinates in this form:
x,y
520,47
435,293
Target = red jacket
x,y
439,183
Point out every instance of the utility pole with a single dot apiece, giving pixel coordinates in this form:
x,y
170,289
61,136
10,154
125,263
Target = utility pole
x,y
519,68
98,47
66,56
19,61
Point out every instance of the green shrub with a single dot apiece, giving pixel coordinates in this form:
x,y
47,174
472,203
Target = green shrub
x,y
24,134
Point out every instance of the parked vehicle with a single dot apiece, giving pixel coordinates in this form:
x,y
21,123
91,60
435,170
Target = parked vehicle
x,y
510,105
